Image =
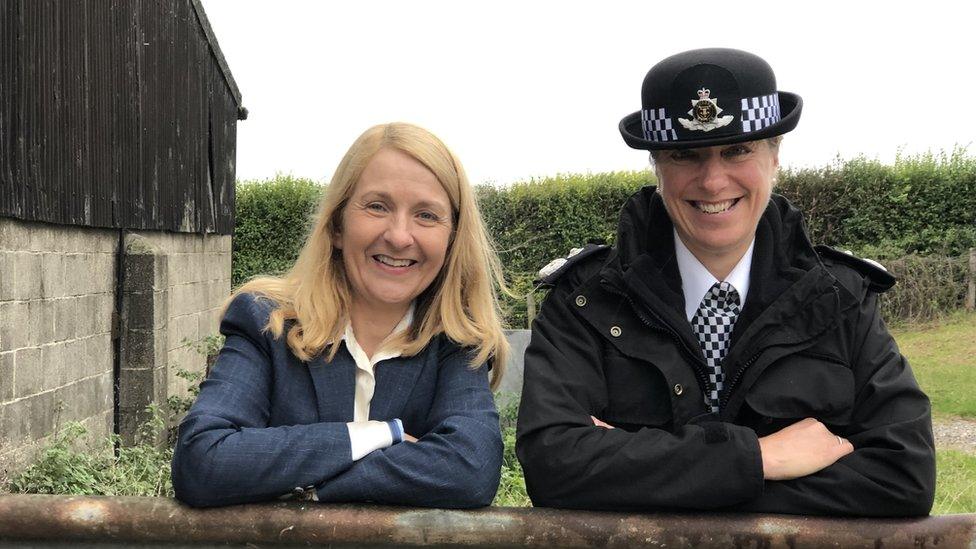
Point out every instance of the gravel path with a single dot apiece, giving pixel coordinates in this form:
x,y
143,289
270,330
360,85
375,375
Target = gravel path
x,y
956,433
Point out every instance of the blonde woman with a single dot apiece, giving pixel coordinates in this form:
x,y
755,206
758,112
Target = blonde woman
x,y
362,374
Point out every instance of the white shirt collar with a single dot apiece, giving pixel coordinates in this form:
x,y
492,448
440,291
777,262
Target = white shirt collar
x,y
360,356
696,280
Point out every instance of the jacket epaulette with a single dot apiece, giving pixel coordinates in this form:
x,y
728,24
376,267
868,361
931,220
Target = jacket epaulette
x,y
556,268
879,279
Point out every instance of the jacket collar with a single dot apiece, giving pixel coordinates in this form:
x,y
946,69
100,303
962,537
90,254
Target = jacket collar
x,y
787,276
335,384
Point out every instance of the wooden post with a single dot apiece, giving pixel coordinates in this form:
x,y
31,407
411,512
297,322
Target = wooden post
x,y
529,309
971,291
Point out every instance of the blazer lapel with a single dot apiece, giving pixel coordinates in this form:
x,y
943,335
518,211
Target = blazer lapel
x,y
395,379
335,386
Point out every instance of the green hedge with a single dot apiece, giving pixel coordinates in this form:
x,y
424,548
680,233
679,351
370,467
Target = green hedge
x,y
273,218
922,205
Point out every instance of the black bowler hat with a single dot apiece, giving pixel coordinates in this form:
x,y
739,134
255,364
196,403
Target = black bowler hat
x,y
707,97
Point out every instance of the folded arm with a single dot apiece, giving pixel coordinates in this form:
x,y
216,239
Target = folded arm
x,y
571,462
891,471
456,460
226,452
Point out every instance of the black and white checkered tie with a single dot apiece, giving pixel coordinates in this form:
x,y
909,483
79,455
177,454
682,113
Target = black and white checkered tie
x,y
713,325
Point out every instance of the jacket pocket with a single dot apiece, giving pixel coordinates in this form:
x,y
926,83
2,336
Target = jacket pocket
x,y
801,386
637,394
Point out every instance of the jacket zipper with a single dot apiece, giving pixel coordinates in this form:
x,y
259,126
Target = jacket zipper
x,y
724,401
699,366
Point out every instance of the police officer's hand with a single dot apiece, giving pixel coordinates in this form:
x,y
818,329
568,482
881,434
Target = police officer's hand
x,y
800,450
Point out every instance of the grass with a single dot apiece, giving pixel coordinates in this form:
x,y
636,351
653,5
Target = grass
x,y
943,357
955,488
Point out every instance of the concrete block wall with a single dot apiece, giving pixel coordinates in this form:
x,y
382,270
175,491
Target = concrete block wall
x,y
197,273
57,290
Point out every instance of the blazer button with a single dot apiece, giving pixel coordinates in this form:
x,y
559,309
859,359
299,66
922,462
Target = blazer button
x,y
580,301
678,389
615,331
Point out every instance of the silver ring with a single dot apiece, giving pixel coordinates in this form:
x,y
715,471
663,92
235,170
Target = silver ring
x,y
839,440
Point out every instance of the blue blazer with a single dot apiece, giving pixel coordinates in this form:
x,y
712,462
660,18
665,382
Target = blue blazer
x,y
266,423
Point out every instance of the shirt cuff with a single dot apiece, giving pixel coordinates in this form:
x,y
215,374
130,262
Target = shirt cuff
x,y
366,436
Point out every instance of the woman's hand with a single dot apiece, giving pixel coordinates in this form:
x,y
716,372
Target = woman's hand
x,y
600,423
801,449
409,438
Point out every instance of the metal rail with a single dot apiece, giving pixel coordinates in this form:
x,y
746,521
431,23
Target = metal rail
x,y
37,520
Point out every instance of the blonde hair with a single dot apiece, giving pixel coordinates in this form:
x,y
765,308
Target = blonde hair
x,y
315,296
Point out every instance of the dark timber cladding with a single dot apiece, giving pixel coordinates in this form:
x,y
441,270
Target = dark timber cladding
x,y
116,113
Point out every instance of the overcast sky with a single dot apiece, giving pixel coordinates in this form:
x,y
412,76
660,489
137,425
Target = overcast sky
x,y
536,87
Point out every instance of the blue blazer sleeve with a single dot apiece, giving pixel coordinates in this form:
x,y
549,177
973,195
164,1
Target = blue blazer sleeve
x,y
456,463
226,453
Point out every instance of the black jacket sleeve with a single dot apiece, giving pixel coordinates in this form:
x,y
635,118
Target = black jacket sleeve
x,y
569,462
892,469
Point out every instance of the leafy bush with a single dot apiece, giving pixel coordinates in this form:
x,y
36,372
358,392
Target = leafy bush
x,y
272,220
67,466
511,489
921,205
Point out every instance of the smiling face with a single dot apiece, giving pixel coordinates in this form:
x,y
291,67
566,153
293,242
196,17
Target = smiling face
x,y
716,195
395,231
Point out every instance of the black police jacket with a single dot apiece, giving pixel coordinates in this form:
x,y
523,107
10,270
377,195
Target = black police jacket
x,y
612,341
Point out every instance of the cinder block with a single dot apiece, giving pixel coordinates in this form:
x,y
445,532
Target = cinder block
x,y
6,376
30,372
14,421
86,240
43,411
42,238
107,242
86,307
52,275
161,309
161,272
104,306
160,388
137,349
14,234
22,276
103,273
40,314
205,324
65,318
83,399
52,366
138,310
182,300
182,358
14,325
139,273
98,354
73,359
79,274
226,260
181,331
136,387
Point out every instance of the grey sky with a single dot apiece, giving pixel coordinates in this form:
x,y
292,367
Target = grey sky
x,y
533,88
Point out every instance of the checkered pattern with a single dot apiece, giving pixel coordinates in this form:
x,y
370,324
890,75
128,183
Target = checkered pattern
x,y
713,325
657,126
759,112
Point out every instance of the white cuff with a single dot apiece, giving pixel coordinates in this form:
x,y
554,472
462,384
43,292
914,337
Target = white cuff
x,y
366,436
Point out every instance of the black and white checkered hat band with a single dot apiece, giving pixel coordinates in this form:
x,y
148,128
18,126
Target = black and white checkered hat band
x,y
657,126
759,112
